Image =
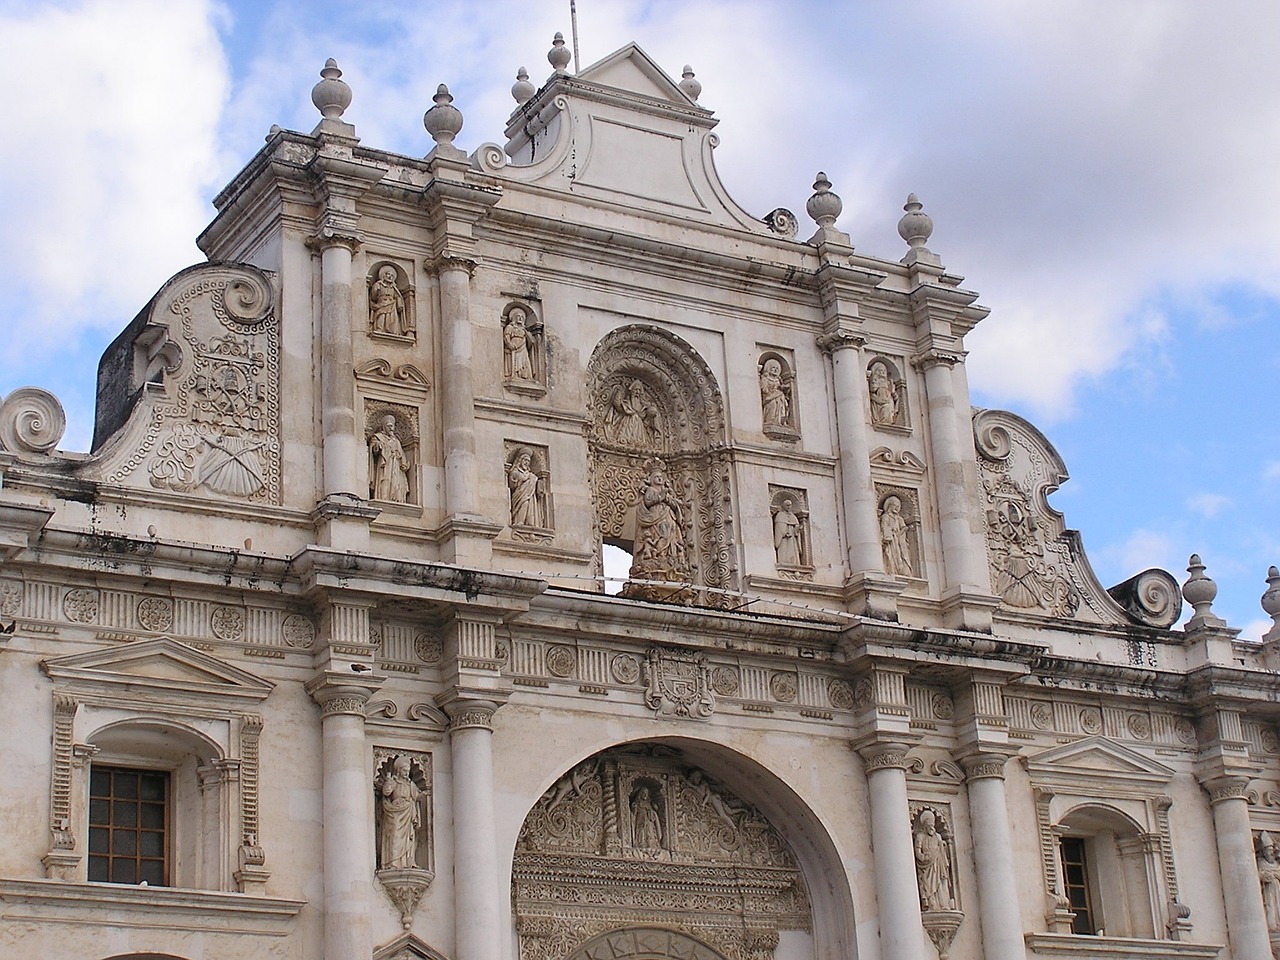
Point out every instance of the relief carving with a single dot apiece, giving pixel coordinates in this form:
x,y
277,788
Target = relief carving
x,y
633,419
529,490
392,438
660,553
777,396
791,542
1020,571
887,393
391,302
402,793
935,856
636,837
678,684
523,350
899,531
1269,878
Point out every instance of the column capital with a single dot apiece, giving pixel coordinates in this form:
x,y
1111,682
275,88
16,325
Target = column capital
x,y
464,712
335,235
1223,788
841,334
884,755
337,694
450,261
934,357
986,764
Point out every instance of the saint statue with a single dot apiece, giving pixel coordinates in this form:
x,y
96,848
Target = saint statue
x,y
786,536
516,361
659,544
390,464
646,828
401,816
933,864
386,305
895,539
527,495
1269,877
884,395
773,396
632,418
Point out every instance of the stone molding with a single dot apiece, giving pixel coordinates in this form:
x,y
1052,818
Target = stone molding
x,y
1221,789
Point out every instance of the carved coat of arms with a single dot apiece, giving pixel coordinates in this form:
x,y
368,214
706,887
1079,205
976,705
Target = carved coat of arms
x,y
678,684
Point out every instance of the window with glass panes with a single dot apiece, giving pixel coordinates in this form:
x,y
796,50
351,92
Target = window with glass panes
x,y
128,826
1075,876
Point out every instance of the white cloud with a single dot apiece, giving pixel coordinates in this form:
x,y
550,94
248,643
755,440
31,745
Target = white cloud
x,y
1142,550
1208,505
1254,629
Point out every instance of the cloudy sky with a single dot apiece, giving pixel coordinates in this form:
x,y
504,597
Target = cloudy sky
x,y
1104,173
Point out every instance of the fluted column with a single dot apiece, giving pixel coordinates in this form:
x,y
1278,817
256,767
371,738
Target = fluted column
x,y
998,911
347,786
897,895
1246,918
477,897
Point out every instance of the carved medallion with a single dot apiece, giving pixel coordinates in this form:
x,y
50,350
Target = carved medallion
x,y
10,597
725,682
427,648
840,694
298,631
227,623
1041,715
155,614
943,707
81,606
678,685
626,668
783,687
1139,725
562,661
1091,720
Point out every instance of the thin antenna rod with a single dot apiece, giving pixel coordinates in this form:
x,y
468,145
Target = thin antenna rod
x,y
573,20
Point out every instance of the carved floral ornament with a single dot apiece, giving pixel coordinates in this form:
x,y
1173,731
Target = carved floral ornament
x,y
634,838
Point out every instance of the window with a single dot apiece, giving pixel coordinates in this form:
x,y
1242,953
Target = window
x,y
129,826
1075,880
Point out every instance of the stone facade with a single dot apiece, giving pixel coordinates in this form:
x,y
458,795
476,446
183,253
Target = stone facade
x,y
313,657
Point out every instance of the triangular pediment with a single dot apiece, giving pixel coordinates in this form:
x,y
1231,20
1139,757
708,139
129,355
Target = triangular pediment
x,y
156,666
630,68
408,947
1099,761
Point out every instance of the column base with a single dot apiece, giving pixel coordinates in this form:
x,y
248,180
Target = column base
x,y
342,522
964,608
873,595
467,540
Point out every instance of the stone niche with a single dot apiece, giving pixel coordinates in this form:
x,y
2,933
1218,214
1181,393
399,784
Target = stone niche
x,y
636,838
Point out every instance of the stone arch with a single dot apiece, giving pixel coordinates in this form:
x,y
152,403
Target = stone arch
x,y
713,794
653,399
645,943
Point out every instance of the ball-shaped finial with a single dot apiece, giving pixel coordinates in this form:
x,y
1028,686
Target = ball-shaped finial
x,y
444,120
1199,591
522,90
824,206
689,85
559,56
331,95
916,226
1271,599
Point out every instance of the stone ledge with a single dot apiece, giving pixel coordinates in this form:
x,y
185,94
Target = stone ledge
x,y
125,905
1066,946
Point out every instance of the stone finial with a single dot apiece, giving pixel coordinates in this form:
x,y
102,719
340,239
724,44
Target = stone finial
x,y
1199,591
522,90
824,206
559,56
1271,603
443,121
916,227
331,95
689,85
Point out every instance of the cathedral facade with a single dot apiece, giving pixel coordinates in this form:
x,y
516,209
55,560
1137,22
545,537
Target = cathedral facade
x,y
532,554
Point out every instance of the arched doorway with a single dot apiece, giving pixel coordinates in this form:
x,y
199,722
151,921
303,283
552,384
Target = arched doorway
x,y
656,409
638,838
645,943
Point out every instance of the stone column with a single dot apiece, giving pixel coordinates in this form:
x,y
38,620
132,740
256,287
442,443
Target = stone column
x,y
477,897
1001,919
342,447
458,398
348,818
897,894
1246,917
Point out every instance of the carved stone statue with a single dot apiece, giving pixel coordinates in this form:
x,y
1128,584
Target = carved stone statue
x,y
787,540
528,497
401,816
933,863
387,312
895,539
646,827
883,393
775,403
632,418
390,464
659,545
517,363
1269,877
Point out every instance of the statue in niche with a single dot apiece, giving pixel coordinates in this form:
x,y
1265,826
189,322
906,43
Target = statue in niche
x,y
659,545
1269,877
774,401
400,806
517,360
787,540
646,826
528,491
933,863
632,418
390,464
387,313
883,393
895,539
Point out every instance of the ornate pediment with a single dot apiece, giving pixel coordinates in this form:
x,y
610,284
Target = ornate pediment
x,y
408,947
154,669
1085,761
631,69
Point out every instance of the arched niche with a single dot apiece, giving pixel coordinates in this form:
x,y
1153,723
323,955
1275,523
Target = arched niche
x,y
655,401
740,862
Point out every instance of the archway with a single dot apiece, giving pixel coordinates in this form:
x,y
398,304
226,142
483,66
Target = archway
x,y
645,943
651,836
656,406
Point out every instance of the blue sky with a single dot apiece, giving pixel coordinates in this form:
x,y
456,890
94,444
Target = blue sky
x,y
1104,174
